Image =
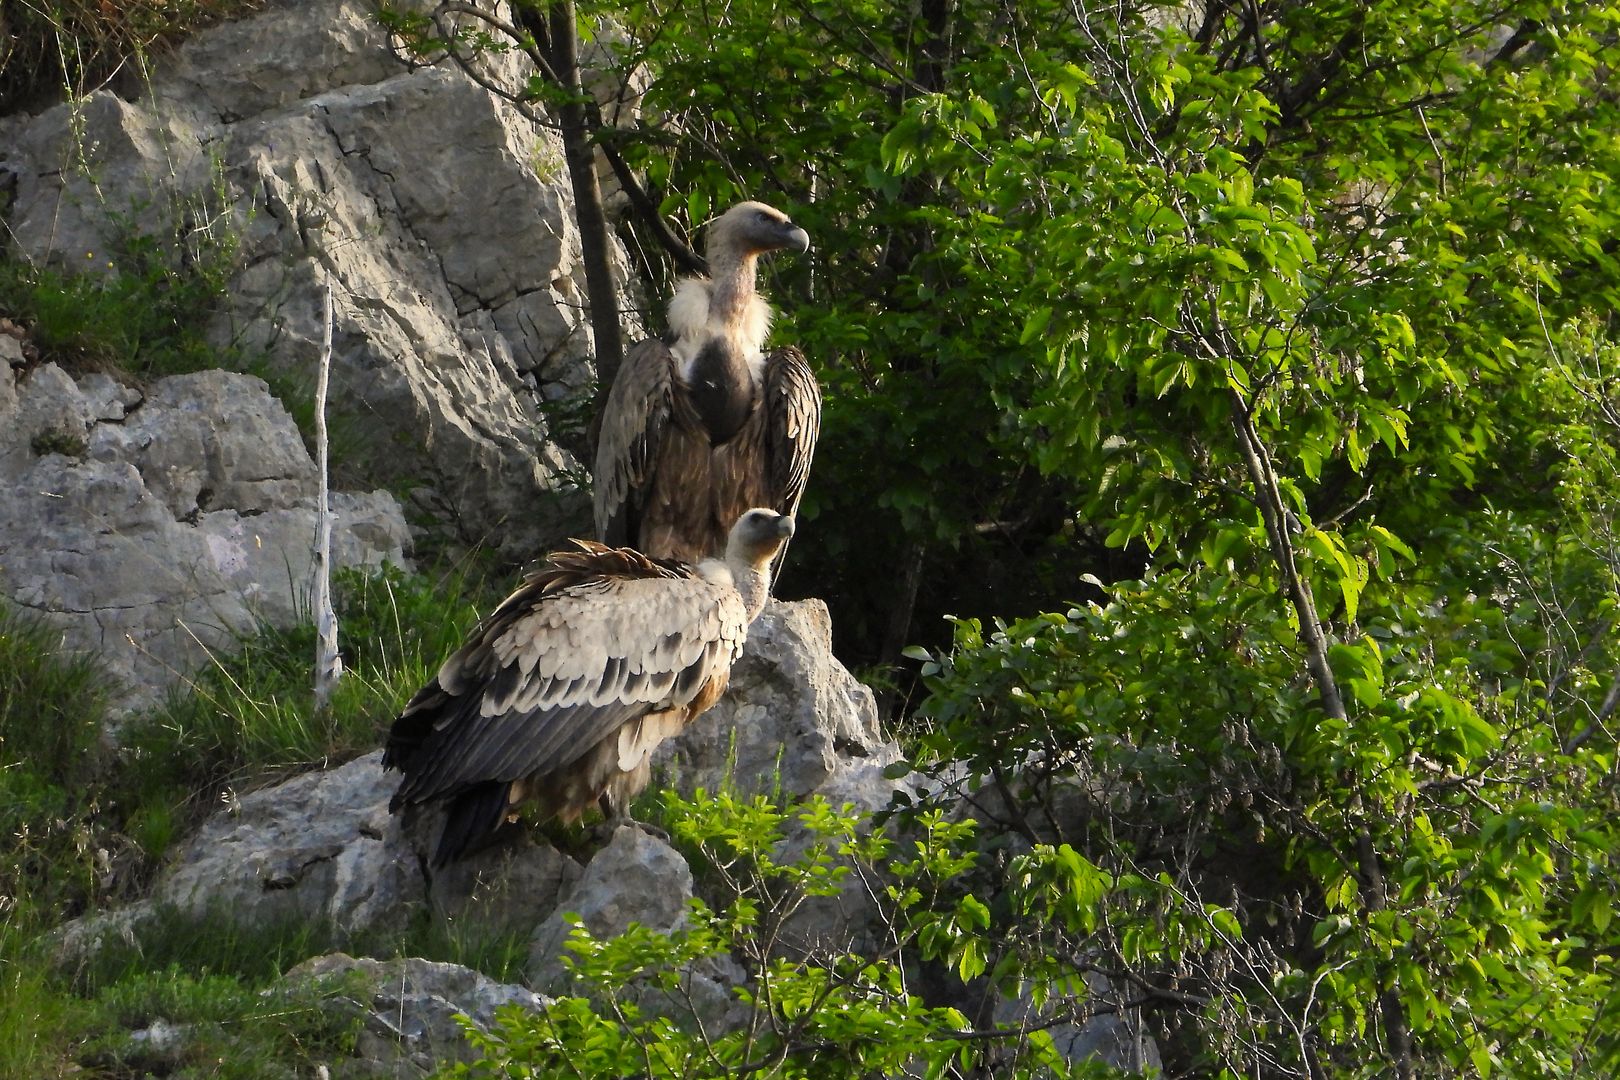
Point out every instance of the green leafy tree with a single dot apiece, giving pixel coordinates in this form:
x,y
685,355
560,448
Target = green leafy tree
x,y
1292,324
1282,298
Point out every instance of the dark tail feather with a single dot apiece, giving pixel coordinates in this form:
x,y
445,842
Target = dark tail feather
x,y
470,820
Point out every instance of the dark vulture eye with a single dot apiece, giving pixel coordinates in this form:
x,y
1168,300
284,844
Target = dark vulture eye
x,y
762,215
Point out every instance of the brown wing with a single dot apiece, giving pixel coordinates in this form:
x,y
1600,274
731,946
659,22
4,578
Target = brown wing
x,y
768,463
793,405
598,640
634,422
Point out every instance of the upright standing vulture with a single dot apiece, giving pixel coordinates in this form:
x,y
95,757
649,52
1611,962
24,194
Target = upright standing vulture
x,y
699,430
561,694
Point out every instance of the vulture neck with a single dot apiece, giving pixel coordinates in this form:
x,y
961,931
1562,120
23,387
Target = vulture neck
x,y
722,314
753,583
732,286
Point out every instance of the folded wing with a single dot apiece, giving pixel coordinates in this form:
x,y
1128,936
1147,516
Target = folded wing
x,y
559,695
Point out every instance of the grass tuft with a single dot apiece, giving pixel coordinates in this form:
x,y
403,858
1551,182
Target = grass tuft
x,y
58,47
141,308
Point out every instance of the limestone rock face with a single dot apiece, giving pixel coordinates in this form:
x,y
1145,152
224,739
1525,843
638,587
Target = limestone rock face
x,y
408,1010
439,217
320,846
793,719
155,525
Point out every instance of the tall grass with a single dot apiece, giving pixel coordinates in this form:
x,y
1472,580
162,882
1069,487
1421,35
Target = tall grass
x,y
229,1030
52,705
69,47
250,717
39,1020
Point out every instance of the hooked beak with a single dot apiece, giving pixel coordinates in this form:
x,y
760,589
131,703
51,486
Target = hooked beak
x,y
796,239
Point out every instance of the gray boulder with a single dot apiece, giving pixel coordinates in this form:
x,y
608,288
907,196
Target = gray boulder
x,y
156,527
319,846
793,720
640,880
411,1011
505,889
636,878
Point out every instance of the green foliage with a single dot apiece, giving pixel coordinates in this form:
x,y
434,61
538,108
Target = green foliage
x,y
216,942
1309,312
227,1030
58,442
639,1007
1167,738
40,1020
52,702
141,308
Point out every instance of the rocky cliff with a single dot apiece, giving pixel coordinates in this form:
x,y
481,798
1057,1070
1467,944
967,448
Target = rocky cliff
x,y
438,218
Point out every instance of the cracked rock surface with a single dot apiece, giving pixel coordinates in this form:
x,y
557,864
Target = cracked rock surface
x,y
153,526
319,847
440,218
408,1010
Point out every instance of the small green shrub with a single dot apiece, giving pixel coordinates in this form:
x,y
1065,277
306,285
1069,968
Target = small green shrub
x,y
40,1019
140,308
52,704
65,443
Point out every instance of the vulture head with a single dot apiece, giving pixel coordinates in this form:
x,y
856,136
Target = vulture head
x,y
751,229
756,539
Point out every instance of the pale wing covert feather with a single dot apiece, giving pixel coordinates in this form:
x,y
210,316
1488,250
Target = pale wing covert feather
x,y
560,678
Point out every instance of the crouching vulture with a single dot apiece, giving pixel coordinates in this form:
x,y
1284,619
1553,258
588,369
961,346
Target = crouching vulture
x,y
561,694
697,431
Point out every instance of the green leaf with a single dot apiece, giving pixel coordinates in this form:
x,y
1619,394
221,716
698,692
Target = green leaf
x,y
1035,325
1231,259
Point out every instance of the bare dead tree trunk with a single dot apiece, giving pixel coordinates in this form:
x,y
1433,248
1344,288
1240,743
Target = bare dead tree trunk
x,y
328,662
